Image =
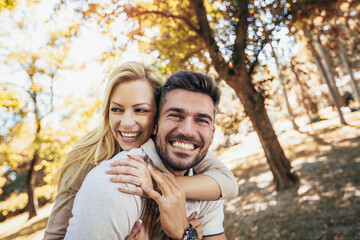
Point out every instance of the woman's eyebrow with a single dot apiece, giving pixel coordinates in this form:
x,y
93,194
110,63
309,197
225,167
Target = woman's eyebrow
x,y
135,105
144,103
116,103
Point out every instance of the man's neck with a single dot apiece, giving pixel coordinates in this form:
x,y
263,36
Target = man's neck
x,y
176,173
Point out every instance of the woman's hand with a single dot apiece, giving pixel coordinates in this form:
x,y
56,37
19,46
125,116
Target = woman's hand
x,y
145,229
132,170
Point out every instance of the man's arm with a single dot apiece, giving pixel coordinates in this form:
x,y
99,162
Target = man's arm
x,y
171,202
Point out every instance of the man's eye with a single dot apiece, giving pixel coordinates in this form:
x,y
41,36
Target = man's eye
x,y
177,116
203,121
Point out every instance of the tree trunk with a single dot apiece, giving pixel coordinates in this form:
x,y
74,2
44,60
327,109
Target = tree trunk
x,y
284,176
346,63
32,205
331,89
305,98
328,68
284,92
238,78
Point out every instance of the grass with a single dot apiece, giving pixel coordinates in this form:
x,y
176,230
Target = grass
x,y
325,155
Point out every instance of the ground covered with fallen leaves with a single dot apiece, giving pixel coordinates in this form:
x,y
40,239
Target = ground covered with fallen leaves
x,y
326,156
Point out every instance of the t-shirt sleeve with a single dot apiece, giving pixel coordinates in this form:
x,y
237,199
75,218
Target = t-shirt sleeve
x,y
212,217
213,167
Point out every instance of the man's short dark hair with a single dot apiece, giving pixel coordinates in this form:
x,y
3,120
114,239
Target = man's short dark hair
x,y
191,81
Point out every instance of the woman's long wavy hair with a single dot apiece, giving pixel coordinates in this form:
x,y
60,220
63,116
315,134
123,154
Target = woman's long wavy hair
x,y
99,144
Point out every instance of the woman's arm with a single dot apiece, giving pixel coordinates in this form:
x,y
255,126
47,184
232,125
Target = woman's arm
x,y
200,187
61,212
213,180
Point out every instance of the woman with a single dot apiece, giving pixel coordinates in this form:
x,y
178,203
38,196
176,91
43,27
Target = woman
x,y
106,141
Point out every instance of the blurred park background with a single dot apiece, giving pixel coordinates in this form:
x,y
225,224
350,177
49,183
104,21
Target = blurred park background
x,y
288,124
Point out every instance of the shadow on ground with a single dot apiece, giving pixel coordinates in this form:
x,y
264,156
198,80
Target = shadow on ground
x,y
28,230
326,206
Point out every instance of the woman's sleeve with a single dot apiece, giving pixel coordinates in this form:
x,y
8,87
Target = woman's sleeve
x,y
213,167
61,212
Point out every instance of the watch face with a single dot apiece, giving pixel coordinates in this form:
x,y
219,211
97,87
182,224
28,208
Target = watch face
x,y
192,234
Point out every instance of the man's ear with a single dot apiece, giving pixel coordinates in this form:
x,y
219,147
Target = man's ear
x,y
212,138
155,129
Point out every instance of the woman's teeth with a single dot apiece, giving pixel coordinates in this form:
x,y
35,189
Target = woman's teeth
x,y
130,135
186,146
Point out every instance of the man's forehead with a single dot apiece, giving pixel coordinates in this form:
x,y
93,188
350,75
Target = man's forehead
x,y
189,101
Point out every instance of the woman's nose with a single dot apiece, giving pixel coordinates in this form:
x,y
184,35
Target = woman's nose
x,y
128,120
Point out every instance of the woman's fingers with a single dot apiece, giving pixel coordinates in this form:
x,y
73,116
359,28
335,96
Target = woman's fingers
x,y
131,190
125,170
135,230
160,178
151,193
126,179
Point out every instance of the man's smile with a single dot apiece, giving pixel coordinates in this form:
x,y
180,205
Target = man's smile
x,y
183,145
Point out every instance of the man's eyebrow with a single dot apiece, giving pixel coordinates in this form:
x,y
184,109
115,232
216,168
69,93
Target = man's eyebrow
x,y
174,109
180,110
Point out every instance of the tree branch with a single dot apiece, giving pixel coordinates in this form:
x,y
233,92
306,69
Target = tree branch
x,y
138,13
206,33
265,41
241,28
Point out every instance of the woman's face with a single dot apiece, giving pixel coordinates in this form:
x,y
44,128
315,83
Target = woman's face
x,y
132,113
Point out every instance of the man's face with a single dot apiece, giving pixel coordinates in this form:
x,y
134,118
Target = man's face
x,y
185,129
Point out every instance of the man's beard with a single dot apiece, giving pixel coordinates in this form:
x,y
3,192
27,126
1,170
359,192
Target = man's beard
x,y
177,164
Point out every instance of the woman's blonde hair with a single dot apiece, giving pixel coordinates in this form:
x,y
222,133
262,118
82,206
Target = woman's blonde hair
x,y
99,144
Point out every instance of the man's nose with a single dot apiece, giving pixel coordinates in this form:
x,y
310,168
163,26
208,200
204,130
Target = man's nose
x,y
187,127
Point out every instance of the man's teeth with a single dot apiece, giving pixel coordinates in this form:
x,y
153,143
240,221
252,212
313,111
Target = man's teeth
x,y
186,146
130,135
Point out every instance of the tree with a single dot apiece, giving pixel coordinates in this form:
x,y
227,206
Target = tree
x,y
317,22
283,89
226,35
7,4
39,65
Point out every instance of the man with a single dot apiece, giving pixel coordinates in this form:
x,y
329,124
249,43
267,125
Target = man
x,y
185,131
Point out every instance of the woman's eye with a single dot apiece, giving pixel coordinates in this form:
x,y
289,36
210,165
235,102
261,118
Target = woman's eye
x,y
142,110
115,109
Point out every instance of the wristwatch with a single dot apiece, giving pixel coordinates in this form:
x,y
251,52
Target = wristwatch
x,y
190,233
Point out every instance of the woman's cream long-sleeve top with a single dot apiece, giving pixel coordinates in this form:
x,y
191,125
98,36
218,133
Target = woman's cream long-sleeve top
x,y
61,212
